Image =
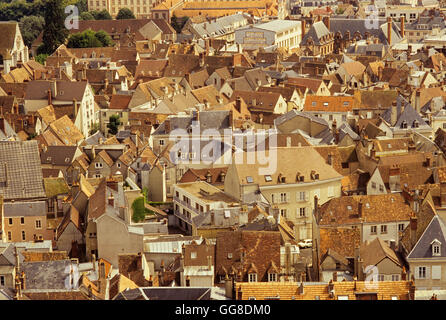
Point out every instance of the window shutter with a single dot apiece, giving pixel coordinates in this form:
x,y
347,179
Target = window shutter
x,y
417,272
436,272
306,196
288,197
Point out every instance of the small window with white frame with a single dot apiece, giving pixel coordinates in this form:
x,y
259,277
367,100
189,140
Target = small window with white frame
x,y
436,248
193,255
252,277
272,277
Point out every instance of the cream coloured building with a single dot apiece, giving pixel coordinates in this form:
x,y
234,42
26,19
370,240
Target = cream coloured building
x,y
300,174
191,199
140,8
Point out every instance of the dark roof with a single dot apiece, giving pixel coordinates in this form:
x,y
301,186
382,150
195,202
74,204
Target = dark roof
x,y
20,169
218,120
46,274
407,114
436,230
66,90
58,155
165,293
344,25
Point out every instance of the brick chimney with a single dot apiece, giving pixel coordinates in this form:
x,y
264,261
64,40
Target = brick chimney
x,y
238,104
393,113
2,124
402,26
50,97
303,25
360,209
167,125
389,30
326,21
413,224
111,201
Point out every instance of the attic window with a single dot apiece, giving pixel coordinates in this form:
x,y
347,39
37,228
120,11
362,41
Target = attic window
x,y
325,104
389,145
268,178
249,179
367,205
436,245
392,199
349,208
193,255
346,103
313,103
230,255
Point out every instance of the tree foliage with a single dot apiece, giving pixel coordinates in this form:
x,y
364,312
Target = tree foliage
x,y
41,58
178,23
54,31
16,10
31,27
113,124
86,16
101,15
89,39
139,210
125,13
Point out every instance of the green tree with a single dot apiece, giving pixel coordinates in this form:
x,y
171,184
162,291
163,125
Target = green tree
x,y
86,16
125,13
41,58
113,124
101,15
178,23
31,27
139,210
104,38
89,39
54,31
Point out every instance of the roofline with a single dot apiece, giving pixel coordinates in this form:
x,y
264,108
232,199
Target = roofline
x,y
422,235
279,186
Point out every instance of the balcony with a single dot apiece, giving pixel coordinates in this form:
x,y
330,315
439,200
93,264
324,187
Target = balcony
x,y
185,204
182,217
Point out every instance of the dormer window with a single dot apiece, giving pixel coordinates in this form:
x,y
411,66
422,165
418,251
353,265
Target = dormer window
x,y
252,277
272,277
436,248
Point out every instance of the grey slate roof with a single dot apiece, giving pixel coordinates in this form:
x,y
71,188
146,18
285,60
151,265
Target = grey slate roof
x,y
165,293
435,230
46,274
217,120
58,155
21,170
409,114
316,32
94,138
344,130
24,209
343,25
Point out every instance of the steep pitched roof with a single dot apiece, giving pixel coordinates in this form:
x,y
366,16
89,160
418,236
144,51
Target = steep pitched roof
x,y
375,208
436,230
377,250
20,170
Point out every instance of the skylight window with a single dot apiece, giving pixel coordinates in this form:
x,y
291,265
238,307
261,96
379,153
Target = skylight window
x,y
249,179
268,178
